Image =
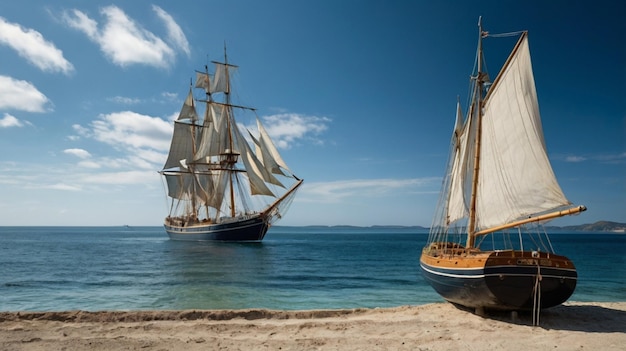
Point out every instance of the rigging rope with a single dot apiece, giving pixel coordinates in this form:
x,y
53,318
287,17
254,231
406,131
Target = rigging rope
x,y
502,35
537,296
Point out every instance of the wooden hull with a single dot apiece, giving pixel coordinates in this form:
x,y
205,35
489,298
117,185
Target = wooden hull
x,y
251,230
500,280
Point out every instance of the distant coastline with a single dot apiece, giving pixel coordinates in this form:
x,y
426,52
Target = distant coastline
x,y
600,226
597,227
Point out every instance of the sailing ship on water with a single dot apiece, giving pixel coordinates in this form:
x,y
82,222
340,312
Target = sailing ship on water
x,y
487,248
221,185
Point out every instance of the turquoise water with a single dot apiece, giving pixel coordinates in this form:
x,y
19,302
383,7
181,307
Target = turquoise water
x,y
109,268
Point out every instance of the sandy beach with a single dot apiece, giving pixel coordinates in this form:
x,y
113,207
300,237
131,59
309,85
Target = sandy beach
x,y
441,326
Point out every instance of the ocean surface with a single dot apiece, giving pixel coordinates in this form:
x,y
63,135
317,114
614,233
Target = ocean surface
x,y
294,268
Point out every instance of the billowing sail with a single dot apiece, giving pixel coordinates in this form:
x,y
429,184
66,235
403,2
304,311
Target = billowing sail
x,y
274,160
213,175
516,178
460,171
188,111
221,81
181,147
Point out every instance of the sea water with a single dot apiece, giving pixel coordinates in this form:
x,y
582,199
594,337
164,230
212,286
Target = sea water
x,y
294,268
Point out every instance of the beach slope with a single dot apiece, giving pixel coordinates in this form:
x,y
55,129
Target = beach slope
x,y
440,326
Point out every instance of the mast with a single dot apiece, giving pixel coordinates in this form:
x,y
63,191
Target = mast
x,y
191,165
231,163
477,109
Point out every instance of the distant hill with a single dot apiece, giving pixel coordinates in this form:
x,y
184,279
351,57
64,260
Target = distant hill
x,y
600,226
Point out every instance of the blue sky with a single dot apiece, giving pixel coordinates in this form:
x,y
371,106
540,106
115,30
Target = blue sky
x,y
88,90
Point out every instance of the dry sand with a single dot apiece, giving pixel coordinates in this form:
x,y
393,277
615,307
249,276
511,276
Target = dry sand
x,y
441,326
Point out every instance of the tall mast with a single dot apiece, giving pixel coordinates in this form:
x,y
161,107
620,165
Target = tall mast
x,y
478,110
230,137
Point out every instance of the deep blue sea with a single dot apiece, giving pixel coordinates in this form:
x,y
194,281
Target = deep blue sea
x,y
136,268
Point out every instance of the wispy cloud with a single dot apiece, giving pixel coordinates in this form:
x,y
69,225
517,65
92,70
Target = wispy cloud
x,y
575,159
174,33
21,95
132,129
126,42
336,191
9,121
142,140
603,158
286,129
124,100
33,47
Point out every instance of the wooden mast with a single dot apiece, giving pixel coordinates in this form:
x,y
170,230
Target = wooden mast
x,y
230,137
478,110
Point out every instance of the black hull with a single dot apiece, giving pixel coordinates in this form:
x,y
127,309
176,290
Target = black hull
x,y
250,230
499,286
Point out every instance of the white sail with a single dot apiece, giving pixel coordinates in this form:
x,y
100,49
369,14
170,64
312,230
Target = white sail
x,y
459,177
188,111
179,185
256,171
203,80
181,147
209,139
515,179
221,80
212,173
266,144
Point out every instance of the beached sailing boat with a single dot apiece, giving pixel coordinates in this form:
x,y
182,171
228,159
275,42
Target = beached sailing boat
x,y
487,248
220,187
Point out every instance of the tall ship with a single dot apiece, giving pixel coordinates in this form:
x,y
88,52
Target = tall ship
x,y
223,182
487,247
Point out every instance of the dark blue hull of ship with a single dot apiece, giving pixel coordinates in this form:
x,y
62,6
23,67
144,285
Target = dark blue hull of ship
x,y
504,287
251,230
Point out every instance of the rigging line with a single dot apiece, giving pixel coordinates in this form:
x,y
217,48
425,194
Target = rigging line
x,y
537,296
503,35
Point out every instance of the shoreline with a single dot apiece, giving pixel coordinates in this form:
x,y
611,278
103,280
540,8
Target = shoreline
x,y
436,326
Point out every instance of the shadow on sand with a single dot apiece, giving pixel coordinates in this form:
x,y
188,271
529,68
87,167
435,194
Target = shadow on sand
x,y
573,317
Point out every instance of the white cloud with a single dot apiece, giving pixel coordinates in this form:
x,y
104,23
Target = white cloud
x,y
32,46
330,192
124,100
21,95
143,140
131,129
120,178
174,32
62,186
10,121
170,96
285,129
80,153
575,159
124,41
89,164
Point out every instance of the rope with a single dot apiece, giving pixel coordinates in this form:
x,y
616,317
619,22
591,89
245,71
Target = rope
x,y
502,35
537,296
